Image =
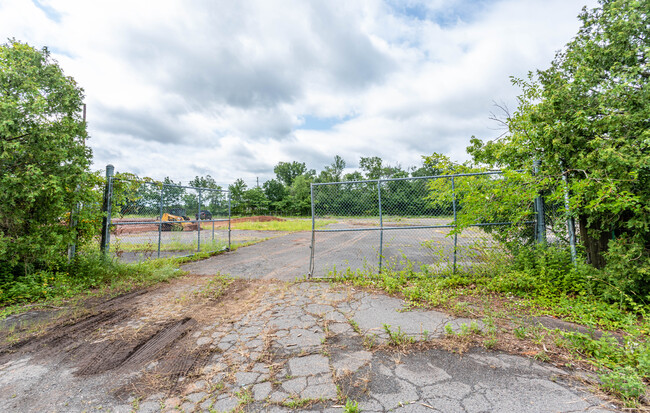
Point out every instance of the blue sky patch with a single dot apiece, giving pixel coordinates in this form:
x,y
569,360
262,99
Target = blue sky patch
x,y
317,123
446,16
50,12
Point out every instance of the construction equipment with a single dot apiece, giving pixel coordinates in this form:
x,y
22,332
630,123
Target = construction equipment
x,y
177,223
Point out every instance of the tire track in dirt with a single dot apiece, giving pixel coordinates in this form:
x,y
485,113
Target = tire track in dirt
x,y
121,355
141,332
64,335
156,345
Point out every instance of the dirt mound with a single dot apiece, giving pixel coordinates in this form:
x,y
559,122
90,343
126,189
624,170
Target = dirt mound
x,y
132,228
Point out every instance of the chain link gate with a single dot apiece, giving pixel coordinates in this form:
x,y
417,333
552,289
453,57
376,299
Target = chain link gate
x,y
404,222
146,219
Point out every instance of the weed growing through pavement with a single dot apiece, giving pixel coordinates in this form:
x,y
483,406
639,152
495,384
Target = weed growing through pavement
x,y
245,396
531,285
355,326
397,338
298,403
351,406
369,341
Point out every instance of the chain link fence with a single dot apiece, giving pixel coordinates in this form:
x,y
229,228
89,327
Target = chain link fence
x,y
430,221
151,220
558,223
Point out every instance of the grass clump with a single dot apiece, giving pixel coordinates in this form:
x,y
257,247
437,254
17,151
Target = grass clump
x,y
351,406
289,225
168,245
397,338
534,282
89,274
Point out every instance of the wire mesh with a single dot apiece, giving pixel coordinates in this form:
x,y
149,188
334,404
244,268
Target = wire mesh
x,y
430,223
152,220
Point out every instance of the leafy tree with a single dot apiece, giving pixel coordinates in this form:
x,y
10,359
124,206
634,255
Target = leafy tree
x,y
427,169
213,200
372,166
337,167
237,190
43,159
204,182
332,173
587,117
299,198
353,176
276,193
172,194
255,201
287,172
394,172
375,169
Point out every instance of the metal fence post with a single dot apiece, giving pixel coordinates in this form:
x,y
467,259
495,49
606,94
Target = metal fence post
x,y
162,188
381,225
540,227
313,234
74,212
570,224
229,219
212,218
106,208
453,203
198,234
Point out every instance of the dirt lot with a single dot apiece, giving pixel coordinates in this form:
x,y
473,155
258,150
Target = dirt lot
x,y
122,227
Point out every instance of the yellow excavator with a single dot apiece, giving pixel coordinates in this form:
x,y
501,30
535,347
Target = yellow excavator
x,y
177,223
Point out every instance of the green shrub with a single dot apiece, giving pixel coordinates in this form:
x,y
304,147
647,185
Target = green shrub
x,y
89,271
627,273
624,382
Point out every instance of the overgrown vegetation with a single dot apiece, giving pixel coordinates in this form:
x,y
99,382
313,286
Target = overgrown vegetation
x,y
537,281
586,119
89,274
44,164
118,246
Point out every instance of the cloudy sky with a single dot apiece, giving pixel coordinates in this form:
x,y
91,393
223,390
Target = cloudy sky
x,y
230,88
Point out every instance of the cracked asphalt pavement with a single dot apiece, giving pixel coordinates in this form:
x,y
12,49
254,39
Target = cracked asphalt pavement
x,y
279,346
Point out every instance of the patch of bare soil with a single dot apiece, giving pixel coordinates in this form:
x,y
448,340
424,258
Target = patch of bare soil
x,y
140,228
148,331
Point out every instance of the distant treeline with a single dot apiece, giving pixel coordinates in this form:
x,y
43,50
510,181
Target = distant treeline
x,y
288,193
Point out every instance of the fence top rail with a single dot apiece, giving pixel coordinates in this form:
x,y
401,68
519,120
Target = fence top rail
x,y
412,178
198,188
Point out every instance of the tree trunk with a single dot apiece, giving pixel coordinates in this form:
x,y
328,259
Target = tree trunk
x,y
595,247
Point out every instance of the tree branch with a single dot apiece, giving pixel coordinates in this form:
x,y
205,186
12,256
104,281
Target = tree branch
x,y
15,137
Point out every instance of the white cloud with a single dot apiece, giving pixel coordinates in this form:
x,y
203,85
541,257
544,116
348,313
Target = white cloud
x,y
221,88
